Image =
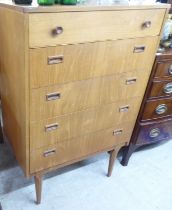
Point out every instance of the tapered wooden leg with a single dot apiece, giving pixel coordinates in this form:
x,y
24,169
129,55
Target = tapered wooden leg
x,y
112,158
38,187
127,154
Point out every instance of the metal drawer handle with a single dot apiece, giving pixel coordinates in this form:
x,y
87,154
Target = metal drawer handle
x,y
146,24
53,96
57,31
49,152
155,132
139,49
131,81
124,108
55,59
51,127
170,70
168,88
161,109
117,132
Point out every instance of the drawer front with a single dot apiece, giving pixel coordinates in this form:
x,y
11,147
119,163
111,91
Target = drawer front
x,y
62,64
157,109
78,27
157,131
164,69
161,89
76,96
76,148
120,115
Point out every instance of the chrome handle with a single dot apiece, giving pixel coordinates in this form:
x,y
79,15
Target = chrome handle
x,y
161,109
117,132
49,153
170,70
146,24
155,132
53,96
131,81
124,108
57,31
139,49
168,88
55,59
51,127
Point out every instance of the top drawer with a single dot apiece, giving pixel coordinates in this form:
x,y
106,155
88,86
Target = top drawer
x,y
50,29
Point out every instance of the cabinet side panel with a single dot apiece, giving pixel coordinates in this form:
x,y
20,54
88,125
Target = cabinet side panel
x,y
14,82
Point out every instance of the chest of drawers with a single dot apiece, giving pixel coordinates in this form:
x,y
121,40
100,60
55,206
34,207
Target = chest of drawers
x,y
154,121
72,80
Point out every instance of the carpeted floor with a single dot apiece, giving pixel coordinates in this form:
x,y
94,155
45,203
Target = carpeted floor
x,y
146,184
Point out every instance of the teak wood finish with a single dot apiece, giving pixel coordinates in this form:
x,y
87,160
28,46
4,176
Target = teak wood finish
x,y
77,32
72,80
153,126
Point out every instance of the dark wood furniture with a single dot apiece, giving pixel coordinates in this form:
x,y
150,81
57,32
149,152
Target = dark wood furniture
x,y
154,122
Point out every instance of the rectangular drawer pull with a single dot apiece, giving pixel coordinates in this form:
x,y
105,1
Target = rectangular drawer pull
x,y
124,108
51,127
131,81
49,152
53,96
139,49
55,59
117,132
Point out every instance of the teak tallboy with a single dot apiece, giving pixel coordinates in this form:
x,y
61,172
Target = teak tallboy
x,y
72,80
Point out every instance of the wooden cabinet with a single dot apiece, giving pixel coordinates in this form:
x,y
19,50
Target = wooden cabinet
x,y
154,121
72,80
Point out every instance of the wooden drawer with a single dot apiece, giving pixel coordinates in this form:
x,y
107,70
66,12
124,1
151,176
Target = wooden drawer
x,y
164,69
51,29
56,65
120,115
160,89
157,109
157,131
76,96
62,152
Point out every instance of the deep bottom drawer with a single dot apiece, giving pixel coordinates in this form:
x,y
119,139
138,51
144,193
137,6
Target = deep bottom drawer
x,y
157,131
60,153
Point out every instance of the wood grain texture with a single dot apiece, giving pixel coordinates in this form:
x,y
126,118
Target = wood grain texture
x,y
151,106
163,70
80,123
94,60
14,83
81,27
161,88
82,88
80,95
76,148
163,129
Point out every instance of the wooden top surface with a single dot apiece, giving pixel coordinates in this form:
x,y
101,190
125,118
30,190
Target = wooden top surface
x,y
89,5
